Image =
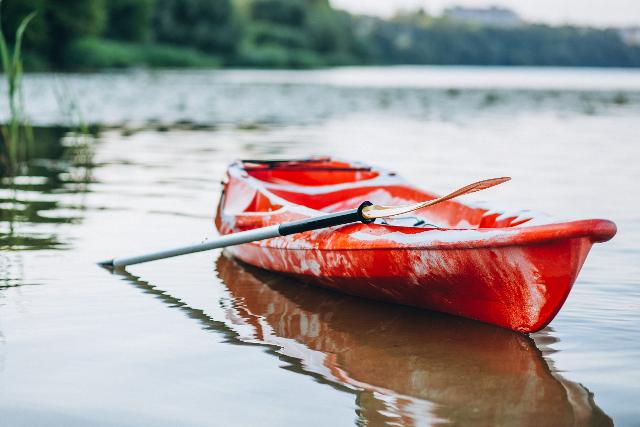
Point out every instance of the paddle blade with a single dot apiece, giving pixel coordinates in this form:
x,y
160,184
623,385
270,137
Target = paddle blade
x,y
377,211
477,186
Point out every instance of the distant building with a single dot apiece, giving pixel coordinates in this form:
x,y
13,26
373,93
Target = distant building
x,y
490,17
630,35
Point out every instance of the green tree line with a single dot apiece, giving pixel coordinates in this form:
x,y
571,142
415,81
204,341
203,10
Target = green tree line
x,y
97,34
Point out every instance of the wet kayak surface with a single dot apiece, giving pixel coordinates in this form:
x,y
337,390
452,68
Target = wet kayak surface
x,y
205,339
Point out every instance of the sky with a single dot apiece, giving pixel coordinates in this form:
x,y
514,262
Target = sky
x,y
600,13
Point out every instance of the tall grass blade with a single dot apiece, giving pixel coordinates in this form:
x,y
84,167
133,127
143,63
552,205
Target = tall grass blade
x,y
17,51
17,126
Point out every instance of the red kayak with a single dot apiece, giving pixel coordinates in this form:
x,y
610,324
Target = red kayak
x,y
514,270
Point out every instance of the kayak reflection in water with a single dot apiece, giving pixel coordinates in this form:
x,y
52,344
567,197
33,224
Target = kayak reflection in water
x,y
405,366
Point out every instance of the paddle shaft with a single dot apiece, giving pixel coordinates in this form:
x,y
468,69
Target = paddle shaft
x,y
365,213
284,229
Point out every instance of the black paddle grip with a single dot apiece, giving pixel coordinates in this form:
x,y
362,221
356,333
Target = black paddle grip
x,y
324,221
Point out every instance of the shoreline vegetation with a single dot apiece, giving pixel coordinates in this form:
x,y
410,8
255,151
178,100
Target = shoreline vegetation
x,y
16,135
87,35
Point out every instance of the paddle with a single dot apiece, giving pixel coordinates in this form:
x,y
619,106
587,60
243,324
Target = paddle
x,y
365,213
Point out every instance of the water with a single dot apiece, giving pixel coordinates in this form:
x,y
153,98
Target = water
x,y
202,340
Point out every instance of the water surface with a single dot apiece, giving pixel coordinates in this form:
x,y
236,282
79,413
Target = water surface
x,y
203,340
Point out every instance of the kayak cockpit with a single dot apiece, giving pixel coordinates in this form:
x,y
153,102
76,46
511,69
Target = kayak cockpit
x,y
327,185
310,173
450,214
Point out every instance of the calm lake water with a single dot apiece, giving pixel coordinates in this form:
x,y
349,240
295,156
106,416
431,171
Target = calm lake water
x,y
202,340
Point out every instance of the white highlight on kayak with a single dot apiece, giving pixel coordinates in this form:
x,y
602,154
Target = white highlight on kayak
x,y
431,236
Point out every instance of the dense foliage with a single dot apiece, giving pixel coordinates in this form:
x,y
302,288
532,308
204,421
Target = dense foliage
x,y
443,42
90,34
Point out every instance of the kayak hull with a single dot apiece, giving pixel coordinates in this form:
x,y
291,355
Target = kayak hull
x,y
514,277
514,287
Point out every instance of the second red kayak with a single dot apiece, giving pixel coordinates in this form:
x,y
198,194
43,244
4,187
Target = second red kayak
x,y
514,270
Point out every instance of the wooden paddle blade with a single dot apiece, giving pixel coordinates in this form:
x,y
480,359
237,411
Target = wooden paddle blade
x,y
377,211
476,186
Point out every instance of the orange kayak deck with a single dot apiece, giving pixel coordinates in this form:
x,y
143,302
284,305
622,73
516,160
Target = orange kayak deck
x,y
512,269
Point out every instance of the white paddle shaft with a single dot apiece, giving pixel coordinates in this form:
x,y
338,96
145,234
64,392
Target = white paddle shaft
x,y
365,213
220,242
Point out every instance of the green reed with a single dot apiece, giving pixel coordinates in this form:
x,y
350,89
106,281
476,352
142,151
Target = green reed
x,y
17,134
